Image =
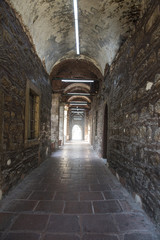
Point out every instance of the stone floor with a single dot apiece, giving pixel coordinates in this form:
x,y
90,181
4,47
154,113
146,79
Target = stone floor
x,y
72,196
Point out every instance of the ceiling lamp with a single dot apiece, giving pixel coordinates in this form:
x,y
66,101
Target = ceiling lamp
x,y
79,94
75,3
78,109
78,103
78,80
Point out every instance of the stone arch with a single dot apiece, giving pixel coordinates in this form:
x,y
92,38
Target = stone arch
x,y
79,68
73,98
77,86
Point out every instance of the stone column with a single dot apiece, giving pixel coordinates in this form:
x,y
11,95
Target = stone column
x,y
86,126
61,124
55,120
68,126
65,123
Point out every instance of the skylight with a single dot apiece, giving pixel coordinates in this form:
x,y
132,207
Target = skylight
x,y
75,2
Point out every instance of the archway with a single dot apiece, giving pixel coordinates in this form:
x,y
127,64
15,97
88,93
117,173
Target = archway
x,y
76,133
105,133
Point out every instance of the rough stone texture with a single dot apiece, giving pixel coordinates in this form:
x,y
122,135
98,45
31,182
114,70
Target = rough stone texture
x,y
18,64
103,27
132,92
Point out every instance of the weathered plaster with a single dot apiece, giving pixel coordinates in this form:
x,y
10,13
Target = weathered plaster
x,y
103,25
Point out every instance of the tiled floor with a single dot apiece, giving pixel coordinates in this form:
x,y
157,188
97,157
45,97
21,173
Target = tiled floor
x,y
72,196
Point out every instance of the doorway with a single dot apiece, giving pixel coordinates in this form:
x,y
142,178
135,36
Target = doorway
x,y
76,133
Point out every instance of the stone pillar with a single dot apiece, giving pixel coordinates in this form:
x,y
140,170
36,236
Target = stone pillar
x,y
61,124
86,126
68,126
55,120
65,123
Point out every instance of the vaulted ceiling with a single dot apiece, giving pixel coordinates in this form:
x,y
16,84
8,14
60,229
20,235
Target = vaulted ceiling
x,y
103,27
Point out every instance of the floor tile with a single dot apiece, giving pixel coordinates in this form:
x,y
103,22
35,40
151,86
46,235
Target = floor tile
x,y
99,224
138,236
113,195
41,195
30,222
21,206
128,222
22,236
99,237
78,207
5,220
126,207
110,206
60,237
63,224
99,187
67,196
50,206
91,196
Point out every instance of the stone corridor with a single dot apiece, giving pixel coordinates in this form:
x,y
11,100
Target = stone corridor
x,y
73,196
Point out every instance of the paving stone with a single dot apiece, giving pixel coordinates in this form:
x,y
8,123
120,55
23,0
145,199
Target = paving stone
x,y
21,195
125,206
99,187
99,224
41,195
138,236
78,188
78,207
110,206
37,187
5,220
22,236
63,224
129,221
30,222
60,237
67,196
99,237
91,196
113,195
50,206
21,206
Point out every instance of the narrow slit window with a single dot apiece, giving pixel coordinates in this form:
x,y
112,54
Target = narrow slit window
x,y
32,120
32,112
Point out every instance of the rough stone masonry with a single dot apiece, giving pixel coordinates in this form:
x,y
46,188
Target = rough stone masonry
x,y
132,92
19,64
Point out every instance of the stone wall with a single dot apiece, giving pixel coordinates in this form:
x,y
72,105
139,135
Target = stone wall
x,y
132,91
19,64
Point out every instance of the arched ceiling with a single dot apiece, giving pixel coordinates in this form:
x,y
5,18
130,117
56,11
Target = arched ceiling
x,y
75,87
76,68
79,98
103,26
